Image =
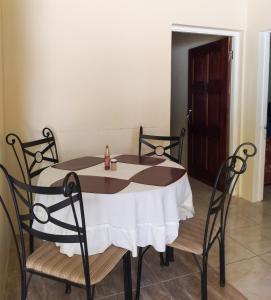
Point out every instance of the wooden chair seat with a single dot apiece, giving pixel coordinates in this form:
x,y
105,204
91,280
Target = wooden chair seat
x,y
191,236
48,260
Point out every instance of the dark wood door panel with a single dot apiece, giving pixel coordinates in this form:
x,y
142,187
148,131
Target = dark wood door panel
x,y
214,111
199,105
199,67
213,158
209,69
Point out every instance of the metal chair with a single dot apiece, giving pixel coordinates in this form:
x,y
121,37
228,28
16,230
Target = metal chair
x,y
47,261
174,141
29,158
197,235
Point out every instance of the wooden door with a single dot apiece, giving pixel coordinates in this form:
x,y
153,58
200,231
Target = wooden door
x,y
208,93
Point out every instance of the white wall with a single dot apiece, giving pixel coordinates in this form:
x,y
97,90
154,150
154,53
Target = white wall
x,y
181,43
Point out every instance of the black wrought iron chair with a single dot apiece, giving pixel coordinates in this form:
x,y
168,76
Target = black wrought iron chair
x,y
174,141
30,158
197,235
47,261
158,150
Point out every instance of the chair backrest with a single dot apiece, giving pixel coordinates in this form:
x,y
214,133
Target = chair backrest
x,y
245,150
30,155
70,197
174,141
227,177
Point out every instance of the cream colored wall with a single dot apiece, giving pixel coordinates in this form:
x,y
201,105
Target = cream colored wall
x,y
258,19
93,70
4,229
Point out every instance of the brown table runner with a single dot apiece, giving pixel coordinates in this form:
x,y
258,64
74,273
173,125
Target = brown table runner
x,y
139,160
79,163
158,176
99,184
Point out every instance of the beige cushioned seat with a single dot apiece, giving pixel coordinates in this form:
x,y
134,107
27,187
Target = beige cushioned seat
x,y
48,260
191,236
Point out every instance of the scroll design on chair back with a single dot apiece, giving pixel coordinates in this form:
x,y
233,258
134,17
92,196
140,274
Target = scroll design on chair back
x,y
159,150
218,210
245,150
28,159
72,197
227,177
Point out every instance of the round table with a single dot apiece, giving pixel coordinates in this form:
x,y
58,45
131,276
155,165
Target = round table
x,y
139,204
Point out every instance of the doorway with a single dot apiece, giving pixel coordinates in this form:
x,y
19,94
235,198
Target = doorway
x,y
208,99
263,134
183,39
267,166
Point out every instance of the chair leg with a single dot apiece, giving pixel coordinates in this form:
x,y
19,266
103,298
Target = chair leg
x,y
23,287
90,291
222,262
127,276
31,243
139,271
163,261
31,240
167,256
204,291
68,289
171,254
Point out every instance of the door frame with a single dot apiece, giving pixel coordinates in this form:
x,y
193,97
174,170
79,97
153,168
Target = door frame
x,y
235,91
261,114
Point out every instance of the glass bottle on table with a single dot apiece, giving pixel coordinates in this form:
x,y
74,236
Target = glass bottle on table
x,y
106,158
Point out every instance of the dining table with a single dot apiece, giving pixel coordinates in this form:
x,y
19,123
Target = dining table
x,y
139,204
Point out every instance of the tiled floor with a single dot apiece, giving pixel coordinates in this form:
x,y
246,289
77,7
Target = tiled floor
x,y
267,192
248,259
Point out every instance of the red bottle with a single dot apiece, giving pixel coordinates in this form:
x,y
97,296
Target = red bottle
x,y
106,158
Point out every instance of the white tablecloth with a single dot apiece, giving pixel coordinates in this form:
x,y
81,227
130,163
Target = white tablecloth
x,y
139,215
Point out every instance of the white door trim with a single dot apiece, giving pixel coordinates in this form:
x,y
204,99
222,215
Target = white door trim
x,y
204,30
235,75
261,114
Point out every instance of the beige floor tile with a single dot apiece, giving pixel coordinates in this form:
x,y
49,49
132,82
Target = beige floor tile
x,y
183,265
256,239
267,193
251,277
266,257
233,252
259,247
248,234
188,287
257,212
236,220
262,217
